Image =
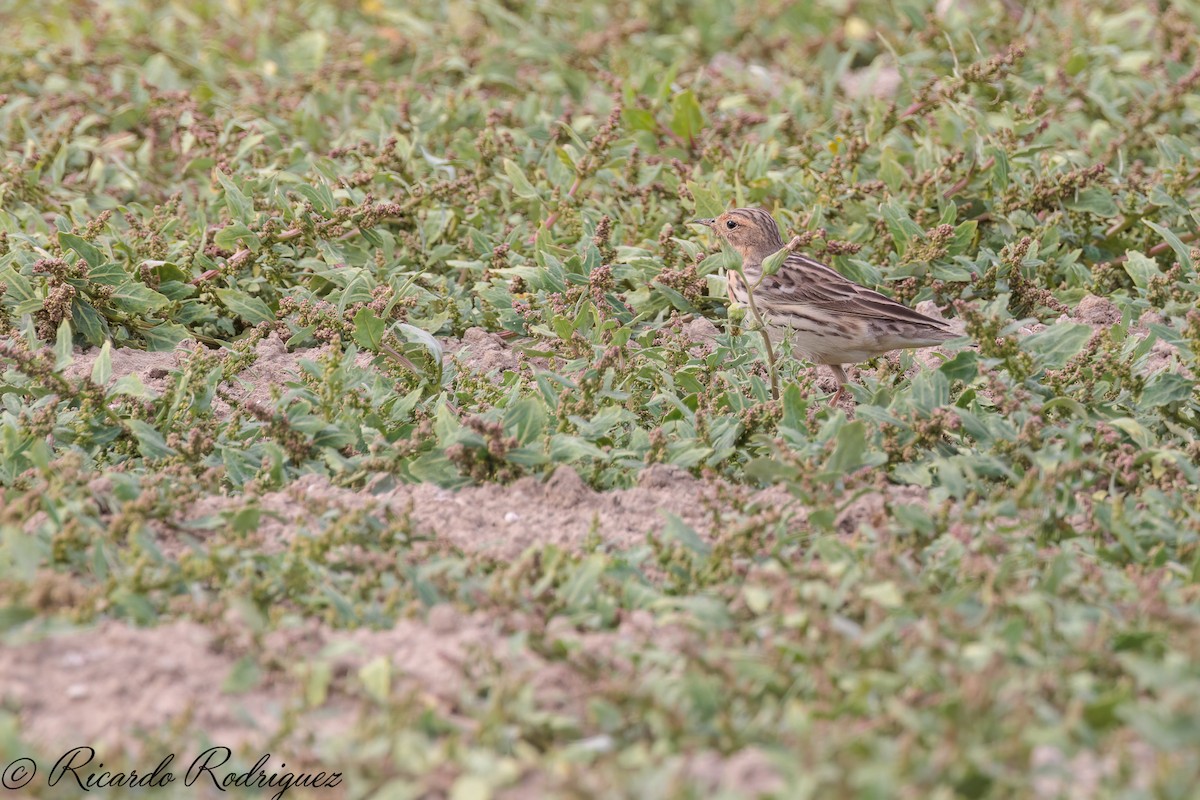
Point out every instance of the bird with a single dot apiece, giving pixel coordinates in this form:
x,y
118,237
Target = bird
x,y
833,321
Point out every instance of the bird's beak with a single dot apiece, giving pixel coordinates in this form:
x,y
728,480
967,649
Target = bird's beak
x,y
708,223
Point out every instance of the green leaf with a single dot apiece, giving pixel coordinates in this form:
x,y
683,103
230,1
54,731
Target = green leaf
x,y
567,449
1140,268
964,237
885,593
851,450
245,520
795,408
902,229
639,119
358,289
890,171
229,237
62,346
306,52
707,202
1181,250
238,205
108,274
930,390
1166,388
687,119
89,322
1095,200
422,337
773,262
164,337
579,588
526,418
18,287
250,309
1000,171
244,676
963,367
521,186
132,386
102,366
368,329
137,298
676,530
376,677
150,442
1058,344
86,250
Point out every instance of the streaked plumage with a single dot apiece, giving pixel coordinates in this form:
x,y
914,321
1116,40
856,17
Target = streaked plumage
x,y
832,320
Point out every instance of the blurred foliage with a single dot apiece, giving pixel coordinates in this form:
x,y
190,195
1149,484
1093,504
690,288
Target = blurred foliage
x,y
376,178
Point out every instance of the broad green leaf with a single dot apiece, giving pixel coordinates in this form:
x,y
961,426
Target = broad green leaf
x,y
1165,388
150,442
521,186
63,351
131,385
963,367
930,390
137,298
376,678
526,418
368,329
1095,200
102,366
243,677
676,530
108,274
250,309
964,237
86,250
306,52
1182,251
164,337
890,171
239,206
91,325
687,119
358,289
568,449
902,229
851,450
794,408
1140,268
639,119
1058,344
708,205
18,287
582,584
232,236
422,337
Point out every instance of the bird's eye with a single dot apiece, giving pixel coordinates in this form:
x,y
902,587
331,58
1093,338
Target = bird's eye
x,y
730,224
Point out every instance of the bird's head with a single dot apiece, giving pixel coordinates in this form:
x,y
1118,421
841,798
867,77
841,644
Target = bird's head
x,y
752,232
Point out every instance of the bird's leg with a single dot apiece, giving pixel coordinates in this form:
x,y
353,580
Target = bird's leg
x,y
842,380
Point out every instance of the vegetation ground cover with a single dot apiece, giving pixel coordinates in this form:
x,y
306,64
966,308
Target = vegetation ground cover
x,y
366,397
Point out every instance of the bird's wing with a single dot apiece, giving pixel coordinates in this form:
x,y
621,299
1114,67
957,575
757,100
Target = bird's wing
x,y
805,282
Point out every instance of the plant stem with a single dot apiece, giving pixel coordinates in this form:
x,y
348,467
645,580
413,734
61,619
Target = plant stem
x,y
762,329
548,223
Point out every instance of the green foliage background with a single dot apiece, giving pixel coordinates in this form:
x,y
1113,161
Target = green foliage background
x,y
381,177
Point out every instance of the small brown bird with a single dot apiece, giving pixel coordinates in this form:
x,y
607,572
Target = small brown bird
x,y
833,320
